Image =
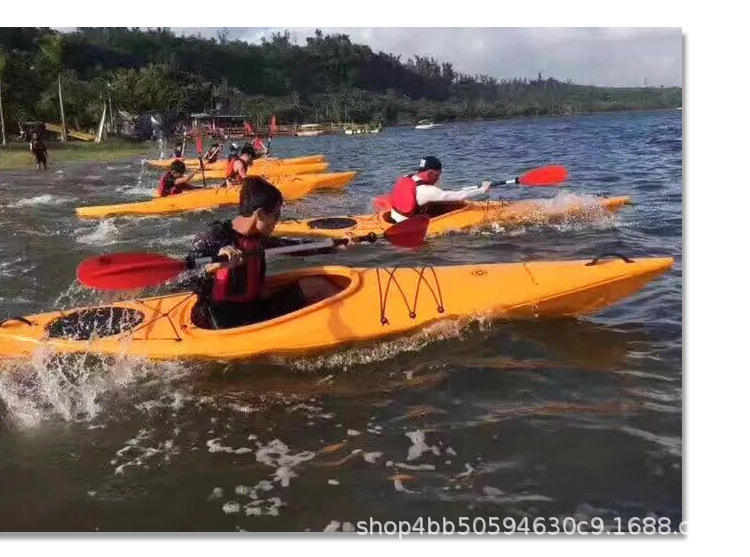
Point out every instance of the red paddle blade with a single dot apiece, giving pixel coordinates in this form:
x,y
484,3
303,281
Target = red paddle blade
x,y
126,271
409,233
382,203
545,176
272,127
199,144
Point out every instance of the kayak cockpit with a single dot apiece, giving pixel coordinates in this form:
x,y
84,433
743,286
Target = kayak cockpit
x,y
432,210
284,297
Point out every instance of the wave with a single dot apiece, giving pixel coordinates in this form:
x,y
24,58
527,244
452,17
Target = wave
x,y
46,199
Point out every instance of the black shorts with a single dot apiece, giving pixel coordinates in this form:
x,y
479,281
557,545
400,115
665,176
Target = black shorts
x,y
227,315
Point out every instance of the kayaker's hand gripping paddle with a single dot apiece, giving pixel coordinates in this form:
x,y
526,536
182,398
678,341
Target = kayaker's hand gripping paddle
x,y
127,271
551,175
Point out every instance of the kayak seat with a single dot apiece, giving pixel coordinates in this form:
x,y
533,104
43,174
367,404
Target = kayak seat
x,y
332,223
94,323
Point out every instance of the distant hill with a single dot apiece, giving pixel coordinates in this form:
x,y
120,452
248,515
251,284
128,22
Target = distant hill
x,y
327,79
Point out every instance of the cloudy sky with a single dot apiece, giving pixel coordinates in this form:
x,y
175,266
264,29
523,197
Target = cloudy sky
x,y
625,56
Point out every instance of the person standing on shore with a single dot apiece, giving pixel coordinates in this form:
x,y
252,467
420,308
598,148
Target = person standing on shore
x,y
39,150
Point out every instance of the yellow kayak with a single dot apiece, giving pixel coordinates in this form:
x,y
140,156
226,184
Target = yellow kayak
x,y
164,163
292,187
266,171
448,217
368,304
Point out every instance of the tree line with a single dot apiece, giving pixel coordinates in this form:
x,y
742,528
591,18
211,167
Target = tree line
x,y
329,78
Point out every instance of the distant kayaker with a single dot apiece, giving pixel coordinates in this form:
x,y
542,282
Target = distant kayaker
x,y
174,180
177,152
413,193
212,155
259,147
231,294
237,168
39,150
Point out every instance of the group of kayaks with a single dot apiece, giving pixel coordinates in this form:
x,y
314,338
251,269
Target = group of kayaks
x,y
370,303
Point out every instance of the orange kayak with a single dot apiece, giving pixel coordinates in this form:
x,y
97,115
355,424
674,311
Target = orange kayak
x,y
365,305
220,164
266,171
292,187
451,217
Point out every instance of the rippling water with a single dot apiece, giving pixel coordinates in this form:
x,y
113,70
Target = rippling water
x,y
540,419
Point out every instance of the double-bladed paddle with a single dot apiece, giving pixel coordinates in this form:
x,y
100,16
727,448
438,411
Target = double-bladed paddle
x,y
126,271
544,176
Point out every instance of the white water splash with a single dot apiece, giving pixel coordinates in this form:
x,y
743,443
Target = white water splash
x,y
46,199
105,233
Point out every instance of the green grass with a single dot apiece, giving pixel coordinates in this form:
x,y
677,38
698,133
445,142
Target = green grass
x,y
17,155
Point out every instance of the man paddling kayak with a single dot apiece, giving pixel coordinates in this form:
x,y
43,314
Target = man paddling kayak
x,y
212,155
174,180
259,147
237,168
411,194
231,293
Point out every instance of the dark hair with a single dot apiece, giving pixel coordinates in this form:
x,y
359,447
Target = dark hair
x,y
258,193
178,167
248,150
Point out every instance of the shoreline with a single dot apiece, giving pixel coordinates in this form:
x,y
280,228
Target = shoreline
x,y
16,155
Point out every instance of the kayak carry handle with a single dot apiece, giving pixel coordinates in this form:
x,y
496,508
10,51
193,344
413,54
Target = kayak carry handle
x,y
16,318
608,254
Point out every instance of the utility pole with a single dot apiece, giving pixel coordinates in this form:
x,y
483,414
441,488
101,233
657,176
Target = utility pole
x,y
111,114
63,133
2,116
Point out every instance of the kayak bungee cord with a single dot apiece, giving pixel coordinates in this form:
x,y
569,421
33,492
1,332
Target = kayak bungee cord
x,y
383,295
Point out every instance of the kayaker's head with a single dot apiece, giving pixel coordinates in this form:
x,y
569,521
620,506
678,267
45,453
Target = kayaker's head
x,y
429,169
247,153
214,145
260,207
177,168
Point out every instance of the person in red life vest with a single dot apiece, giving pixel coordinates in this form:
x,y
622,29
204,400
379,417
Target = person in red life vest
x,y
237,169
413,193
212,155
175,181
259,147
231,293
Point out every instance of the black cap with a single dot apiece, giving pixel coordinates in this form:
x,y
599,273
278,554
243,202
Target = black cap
x,y
430,163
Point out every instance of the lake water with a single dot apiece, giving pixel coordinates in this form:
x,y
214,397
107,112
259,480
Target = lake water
x,y
537,419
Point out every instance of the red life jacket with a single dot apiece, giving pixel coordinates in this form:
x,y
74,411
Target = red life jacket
x,y
166,185
404,195
243,283
230,173
258,144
